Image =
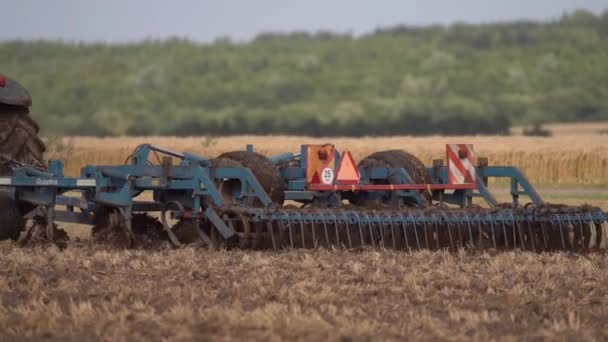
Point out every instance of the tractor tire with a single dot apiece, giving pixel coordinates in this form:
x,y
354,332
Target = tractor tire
x,y
401,159
262,168
394,159
12,223
19,145
19,140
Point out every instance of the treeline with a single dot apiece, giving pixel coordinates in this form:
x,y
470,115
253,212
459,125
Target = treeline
x,y
458,79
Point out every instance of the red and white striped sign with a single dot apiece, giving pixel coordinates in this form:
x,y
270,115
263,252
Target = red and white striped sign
x,y
461,163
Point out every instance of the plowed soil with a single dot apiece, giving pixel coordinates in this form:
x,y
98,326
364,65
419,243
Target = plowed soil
x,y
86,293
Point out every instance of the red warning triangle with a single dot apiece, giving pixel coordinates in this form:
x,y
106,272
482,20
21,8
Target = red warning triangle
x,y
315,179
348,173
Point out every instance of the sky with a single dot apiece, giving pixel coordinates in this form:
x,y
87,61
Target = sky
x,y
241,20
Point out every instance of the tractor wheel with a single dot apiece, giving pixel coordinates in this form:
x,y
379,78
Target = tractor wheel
x,y
262,168
19,141
12,223
394,159
19,144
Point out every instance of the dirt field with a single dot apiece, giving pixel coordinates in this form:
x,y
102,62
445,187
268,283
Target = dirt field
x,y
84,294
91,293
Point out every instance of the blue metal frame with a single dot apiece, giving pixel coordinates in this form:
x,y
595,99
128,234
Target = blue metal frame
x,y
191,186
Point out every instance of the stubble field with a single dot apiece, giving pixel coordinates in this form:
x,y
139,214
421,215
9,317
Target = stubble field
x,y
87,292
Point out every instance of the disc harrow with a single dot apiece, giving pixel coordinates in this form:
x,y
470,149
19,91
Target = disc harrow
x,y
318,198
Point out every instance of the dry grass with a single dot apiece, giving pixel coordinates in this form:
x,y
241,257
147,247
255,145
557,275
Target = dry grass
x,y
565,159
84,294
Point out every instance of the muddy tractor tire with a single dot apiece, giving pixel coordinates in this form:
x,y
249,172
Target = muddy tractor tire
x,y
11,222
19,140
19,145
394,159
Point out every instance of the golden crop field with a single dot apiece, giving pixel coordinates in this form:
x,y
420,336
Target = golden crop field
x,y
580,158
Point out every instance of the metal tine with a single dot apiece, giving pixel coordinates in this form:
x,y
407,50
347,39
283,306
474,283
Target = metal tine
x,y
544,234
416,232
577,242
393,233
314,236
492,230
285,217
302,231
480,232
604,235
598,234
449,228
361,235
290,232
569,244
514,233
404,226
561,231
361,240
426,235
424,226
338,244
520,234
459,228
326,217
381,229
591,230
281,240
588,231
370,228
534,235
350,242
271,232
531,235
583,243
598,227
326,233
504,230
471,240
437,239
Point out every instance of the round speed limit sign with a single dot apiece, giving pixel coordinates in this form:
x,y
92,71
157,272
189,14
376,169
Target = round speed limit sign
x,y
327,176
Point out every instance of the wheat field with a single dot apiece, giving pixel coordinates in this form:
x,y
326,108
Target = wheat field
x,y
579,158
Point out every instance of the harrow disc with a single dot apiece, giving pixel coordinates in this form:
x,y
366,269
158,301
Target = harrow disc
x,y
187,233
36,234
110,230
